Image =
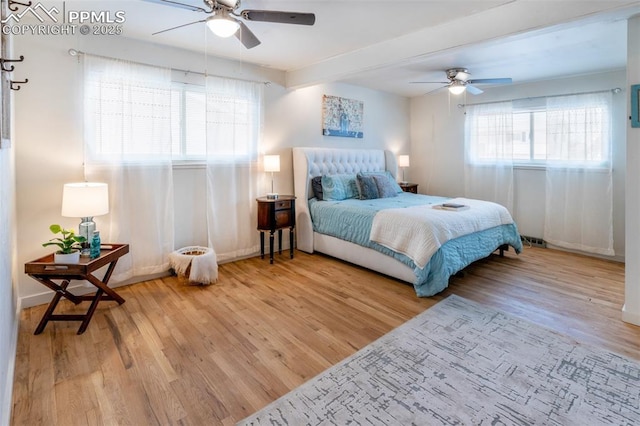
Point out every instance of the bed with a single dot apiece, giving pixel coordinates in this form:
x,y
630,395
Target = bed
x,y
358,217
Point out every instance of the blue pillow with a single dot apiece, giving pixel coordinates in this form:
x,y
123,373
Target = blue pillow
x,y
367,187
385,188
386,173
339,187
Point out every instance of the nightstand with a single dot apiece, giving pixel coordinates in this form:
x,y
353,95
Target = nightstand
x,y
409,187
276,215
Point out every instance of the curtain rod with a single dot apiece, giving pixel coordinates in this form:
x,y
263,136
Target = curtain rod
x,y
615,90
74,52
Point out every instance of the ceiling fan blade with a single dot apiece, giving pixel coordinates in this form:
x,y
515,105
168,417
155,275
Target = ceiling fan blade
x,y
180,5
246,37
473,89
435,90
491,81
179,26
429,82
279,17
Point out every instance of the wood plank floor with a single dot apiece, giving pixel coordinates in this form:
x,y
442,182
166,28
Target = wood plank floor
x,y
178,354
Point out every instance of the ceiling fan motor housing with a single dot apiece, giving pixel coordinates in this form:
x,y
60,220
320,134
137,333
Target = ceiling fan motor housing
x,y
217,4
461,74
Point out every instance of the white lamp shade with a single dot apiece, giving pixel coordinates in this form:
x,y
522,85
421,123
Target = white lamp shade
x,y
85,199
271,163
403,161
223,25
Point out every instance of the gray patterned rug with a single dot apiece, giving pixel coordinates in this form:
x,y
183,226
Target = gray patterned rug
x,y
462,363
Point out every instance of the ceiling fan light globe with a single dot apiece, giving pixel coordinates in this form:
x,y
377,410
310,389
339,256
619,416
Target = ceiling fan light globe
x,y
456,89
223,26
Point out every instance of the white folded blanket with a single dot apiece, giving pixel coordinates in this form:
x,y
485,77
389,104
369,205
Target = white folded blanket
x,y
418,232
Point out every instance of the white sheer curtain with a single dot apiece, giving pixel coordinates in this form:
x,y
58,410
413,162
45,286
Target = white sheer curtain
x,y
127,115
233,130
579,200
489,153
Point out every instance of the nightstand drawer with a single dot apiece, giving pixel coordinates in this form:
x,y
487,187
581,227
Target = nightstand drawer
x,y
283,204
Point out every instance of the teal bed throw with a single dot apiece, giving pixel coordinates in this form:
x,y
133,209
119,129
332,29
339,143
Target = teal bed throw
x,y
351,220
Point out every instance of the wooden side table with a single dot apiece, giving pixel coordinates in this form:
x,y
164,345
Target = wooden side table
x,y
45,271
276,214
409,187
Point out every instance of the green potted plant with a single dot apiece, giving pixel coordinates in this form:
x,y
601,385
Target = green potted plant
x,y
69,244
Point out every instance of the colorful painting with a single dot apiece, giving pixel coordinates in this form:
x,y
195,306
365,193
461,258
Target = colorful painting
x,y
342,117
635,105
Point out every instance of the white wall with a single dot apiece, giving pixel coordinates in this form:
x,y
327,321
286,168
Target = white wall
x,y
437,147
8,293
49,134
293,118
631,308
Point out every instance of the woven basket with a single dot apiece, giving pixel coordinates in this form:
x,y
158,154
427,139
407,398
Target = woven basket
x,y
185,256
193,250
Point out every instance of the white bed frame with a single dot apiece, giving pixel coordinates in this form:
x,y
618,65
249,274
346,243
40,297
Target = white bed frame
x,y
311,162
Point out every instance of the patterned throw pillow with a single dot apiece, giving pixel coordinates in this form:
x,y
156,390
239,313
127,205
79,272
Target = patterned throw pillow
x,y
316,185
367,187
385,188
389,176
339,187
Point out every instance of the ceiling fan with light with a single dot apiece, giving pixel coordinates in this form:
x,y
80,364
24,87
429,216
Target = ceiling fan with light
x,y
460,80
224,19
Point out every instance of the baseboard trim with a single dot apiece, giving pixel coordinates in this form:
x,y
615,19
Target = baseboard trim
x,y
5,409
614,258
45,296
630,317
79,288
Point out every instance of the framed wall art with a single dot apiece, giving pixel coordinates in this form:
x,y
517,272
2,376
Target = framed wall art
x,y
635,105
342,117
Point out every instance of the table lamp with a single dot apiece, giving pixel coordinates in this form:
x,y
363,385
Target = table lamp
x,y
403,162
85,200
272,164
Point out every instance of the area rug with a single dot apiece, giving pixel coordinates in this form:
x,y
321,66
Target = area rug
x,y
462,363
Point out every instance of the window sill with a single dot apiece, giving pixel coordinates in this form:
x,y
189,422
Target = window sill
x,y
189,164
523,166
543,167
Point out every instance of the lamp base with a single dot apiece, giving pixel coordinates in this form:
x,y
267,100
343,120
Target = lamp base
x,y
272,195
85,229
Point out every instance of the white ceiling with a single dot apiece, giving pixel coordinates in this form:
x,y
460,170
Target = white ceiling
x,y
386,45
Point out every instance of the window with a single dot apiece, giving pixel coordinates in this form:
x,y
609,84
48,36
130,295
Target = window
x,y
195,112
188,122
132,117
529,136
126,118
570,130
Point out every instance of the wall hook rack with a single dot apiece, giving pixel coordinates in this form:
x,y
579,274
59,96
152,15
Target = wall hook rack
x,y
16,85
11,67
14,8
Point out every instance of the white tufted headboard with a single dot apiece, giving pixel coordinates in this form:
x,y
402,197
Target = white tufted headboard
x,y
311,162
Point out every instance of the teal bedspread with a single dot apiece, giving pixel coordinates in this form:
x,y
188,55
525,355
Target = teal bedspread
x,y
351,220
